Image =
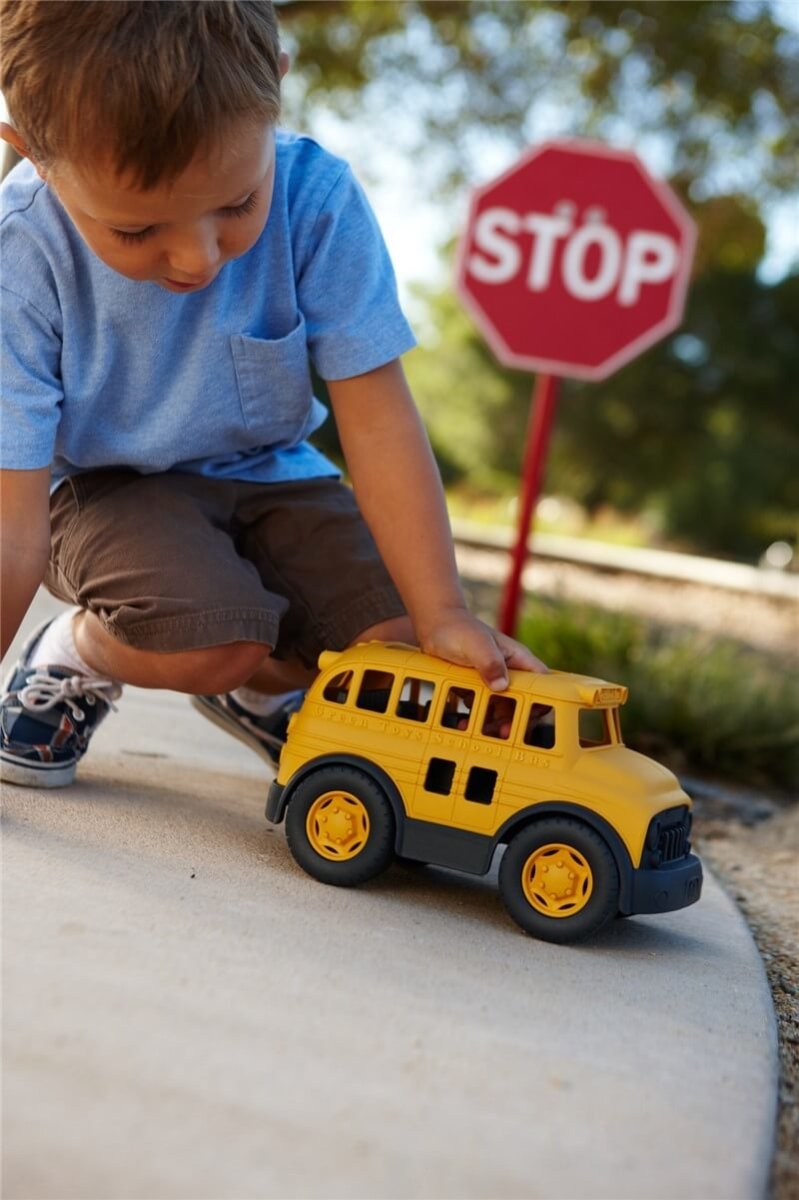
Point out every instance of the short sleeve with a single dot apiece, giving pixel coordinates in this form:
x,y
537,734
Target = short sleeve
x,y
347,290
30,386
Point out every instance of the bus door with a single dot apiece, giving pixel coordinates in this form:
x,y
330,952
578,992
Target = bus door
x,y
466,756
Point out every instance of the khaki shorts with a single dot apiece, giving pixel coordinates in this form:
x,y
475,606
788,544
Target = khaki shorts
x,y
179,562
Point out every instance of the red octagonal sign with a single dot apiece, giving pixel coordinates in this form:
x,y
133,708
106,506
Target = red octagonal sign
x,y
575,260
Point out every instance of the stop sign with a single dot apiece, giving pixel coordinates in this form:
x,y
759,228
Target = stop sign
x,y
575,260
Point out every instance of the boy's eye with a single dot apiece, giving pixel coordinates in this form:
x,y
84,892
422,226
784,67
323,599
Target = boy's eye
x,y
240,210
132,237
237,210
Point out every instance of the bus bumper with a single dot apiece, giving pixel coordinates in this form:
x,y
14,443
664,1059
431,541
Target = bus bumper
x,y
666,889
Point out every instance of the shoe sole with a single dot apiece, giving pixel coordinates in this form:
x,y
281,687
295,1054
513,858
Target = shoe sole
x,y
231,726
39,775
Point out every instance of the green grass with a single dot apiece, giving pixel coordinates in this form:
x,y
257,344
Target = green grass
x,y
696,703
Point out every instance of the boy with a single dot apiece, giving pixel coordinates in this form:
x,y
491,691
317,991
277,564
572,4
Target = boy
x,y
169,264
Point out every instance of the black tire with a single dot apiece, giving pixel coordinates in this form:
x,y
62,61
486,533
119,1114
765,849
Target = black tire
x,y
597,879
341,788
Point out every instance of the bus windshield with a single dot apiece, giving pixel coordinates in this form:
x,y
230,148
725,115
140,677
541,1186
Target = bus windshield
x,y
598,727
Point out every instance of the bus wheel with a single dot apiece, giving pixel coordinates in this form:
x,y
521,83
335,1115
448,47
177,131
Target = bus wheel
x,y
559,880
340,826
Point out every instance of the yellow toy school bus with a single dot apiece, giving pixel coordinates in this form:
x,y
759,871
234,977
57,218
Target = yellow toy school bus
x,y
396,753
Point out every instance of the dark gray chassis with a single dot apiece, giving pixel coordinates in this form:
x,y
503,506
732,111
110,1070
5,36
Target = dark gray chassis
x,y
642,890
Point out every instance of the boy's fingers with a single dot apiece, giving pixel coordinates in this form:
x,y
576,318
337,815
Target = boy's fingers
x,y
496,681
519,657
477,645
490,662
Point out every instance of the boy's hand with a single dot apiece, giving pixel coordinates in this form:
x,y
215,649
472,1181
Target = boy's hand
x,y
460,638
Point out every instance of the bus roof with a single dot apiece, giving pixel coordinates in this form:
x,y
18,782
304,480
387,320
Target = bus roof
x,y
554,686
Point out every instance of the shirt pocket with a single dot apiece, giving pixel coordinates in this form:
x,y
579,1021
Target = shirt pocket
x,y
274,382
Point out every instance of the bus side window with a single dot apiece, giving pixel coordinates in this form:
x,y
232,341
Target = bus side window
x,y
458,708
338,689
498,720
540,730
375,691
415,699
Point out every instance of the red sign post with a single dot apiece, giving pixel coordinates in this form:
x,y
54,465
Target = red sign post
x,y
573,262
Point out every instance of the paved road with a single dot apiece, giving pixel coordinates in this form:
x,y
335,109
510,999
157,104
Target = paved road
x,y
188,1015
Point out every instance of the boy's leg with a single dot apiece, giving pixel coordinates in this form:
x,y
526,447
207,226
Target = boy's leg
x,y
220,667
311,545
396,629
274,676
258,713
168,603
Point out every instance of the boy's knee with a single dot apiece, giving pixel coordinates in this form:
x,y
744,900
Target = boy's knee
x,y
223,668
205,671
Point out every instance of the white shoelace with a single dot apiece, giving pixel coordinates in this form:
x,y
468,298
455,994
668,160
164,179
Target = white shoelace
x,y
43,691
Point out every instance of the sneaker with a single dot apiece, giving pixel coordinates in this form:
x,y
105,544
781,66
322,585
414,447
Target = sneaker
x,y
47,715
265,735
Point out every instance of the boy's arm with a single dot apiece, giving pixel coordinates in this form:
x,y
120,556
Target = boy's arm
x,y
399,491
24,545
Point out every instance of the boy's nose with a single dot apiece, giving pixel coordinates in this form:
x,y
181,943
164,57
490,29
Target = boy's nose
x,y
194,256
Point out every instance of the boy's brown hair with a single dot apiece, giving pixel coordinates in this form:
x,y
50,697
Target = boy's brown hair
x,y
142,84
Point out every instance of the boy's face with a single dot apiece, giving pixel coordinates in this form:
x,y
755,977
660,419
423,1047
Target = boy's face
x,y
178,235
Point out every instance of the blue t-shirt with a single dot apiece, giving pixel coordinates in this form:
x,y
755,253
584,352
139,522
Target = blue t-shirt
x,y
99,370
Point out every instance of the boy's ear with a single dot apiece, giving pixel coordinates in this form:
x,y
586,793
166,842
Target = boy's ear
x,y
284,63
9,134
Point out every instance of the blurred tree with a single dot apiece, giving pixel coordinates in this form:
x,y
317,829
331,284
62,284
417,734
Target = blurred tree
x,y
701,430
717,82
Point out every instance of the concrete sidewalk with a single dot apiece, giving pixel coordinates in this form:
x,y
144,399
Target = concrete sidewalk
x,y
189,1015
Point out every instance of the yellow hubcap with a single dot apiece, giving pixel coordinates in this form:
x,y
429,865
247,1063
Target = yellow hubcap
x,y
337,826
557,880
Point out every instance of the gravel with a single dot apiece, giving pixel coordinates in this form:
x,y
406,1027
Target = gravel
x,y
756,862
